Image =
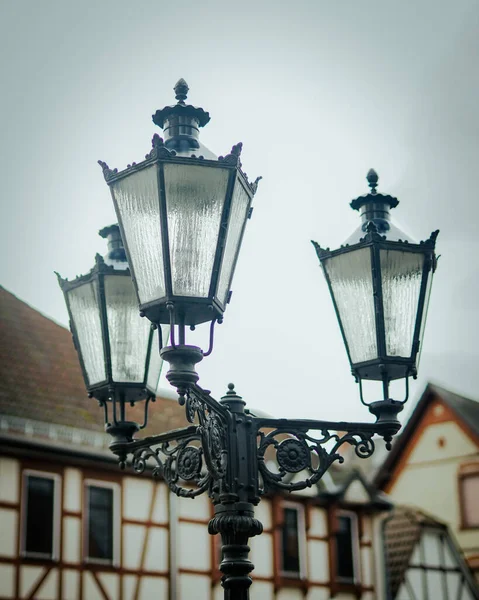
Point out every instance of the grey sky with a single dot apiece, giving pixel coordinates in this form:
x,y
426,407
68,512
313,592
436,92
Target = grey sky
x,y
318,92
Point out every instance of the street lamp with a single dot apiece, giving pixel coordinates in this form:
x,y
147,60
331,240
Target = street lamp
x,y
380,282
182,214
116,349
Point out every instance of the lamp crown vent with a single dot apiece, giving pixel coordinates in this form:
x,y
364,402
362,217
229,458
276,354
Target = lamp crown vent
x,y
116,250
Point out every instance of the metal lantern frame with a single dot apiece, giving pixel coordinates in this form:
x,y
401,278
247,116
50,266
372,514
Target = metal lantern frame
x,y
385,367
175,309
109,391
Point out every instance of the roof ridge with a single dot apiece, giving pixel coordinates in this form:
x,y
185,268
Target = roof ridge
x,y
32,308
441,389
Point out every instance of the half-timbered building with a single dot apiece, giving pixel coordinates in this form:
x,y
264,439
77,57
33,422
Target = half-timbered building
x,y
75,527
434,465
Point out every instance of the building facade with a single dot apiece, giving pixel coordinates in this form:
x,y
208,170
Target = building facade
x,y
73,526
434,465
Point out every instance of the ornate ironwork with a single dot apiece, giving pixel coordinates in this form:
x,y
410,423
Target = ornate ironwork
x,y
295,451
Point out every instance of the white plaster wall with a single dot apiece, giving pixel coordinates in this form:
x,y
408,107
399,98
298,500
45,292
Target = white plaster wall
x,y
346,597
137,494
318,522
49,588
289,594
438,486
71,585
154,588
468,539
218,593
192,586
194,546
91,591
262,512
318,593
71,539
367,529
8,532
29,575
356,493
160,511
366,563
457,444
261,554
194,508
156,558
72,490
9,479
7,580
259,590
318,559
133,540
129,586
111,583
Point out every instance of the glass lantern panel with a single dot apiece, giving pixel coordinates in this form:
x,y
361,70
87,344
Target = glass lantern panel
x,y
424,315
195,196
401,275
85,310
128,332
352,289
156,362
138,208
238,215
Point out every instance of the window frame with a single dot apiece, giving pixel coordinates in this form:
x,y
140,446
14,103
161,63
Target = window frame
x,y
301,520
466,471
356,549
57,481
116,528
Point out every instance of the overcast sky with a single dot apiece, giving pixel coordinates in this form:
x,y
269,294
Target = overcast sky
x,y
318,92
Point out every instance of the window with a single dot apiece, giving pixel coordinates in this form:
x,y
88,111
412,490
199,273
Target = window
x,y
292,540
40,524
469,493
347,547
101,534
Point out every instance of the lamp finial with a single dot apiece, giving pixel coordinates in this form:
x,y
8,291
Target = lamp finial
x,y
181,90
372,178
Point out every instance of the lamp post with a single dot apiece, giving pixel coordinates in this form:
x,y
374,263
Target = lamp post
x,y
182,213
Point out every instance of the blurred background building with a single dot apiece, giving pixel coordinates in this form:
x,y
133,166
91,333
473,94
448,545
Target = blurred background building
x,y
75,527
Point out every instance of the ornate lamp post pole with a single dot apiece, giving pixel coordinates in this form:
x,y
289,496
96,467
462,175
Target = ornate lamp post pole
x,y
182,214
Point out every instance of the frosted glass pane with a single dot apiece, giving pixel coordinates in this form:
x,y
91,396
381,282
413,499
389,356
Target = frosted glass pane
x,y
138,209
194,197
351,282
128,332
156,363
424,315
238,214
85,311
401,274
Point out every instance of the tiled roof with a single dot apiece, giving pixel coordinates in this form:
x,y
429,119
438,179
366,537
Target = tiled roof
x,y
402,531
465,408
40,376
